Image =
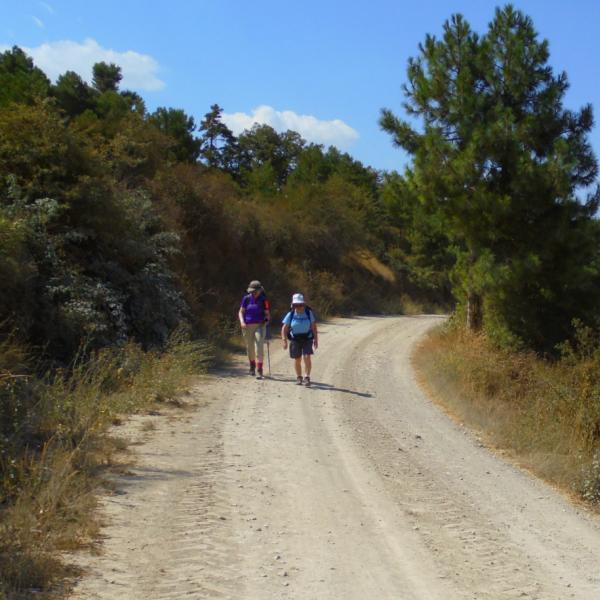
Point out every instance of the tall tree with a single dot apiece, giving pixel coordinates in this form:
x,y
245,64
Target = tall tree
x,y
106,77
420,246
500,160
135,101
180,127
262,147
311,167
218,144
20,80
73,94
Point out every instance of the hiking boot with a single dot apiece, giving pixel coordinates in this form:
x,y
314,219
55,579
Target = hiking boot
x,y
299,380
307,381
252,370
260,374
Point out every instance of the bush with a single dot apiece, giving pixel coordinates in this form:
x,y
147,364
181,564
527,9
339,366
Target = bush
x,y
547,412
53,445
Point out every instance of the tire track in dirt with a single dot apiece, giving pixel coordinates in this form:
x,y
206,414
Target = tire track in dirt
x,y
450,525
469,544
357,488
168,528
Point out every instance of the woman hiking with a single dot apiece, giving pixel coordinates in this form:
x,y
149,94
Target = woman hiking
x,y
254,314
300,328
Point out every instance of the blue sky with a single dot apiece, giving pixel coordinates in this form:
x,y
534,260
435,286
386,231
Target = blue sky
x,y
325,68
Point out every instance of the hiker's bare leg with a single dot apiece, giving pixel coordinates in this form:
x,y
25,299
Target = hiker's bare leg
x,y
307,364
298,366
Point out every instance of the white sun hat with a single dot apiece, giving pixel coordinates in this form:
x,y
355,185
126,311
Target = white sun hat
x,y
297,299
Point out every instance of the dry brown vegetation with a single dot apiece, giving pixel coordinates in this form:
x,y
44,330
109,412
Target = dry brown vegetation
x,y
59,450
118,227
544,413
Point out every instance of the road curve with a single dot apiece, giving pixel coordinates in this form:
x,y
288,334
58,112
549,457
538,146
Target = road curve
x,y
356,488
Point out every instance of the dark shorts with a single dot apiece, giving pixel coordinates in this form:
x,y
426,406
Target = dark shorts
x,y
300,348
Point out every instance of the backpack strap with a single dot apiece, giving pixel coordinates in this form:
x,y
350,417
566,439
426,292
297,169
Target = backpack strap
x,y
310,335
308,311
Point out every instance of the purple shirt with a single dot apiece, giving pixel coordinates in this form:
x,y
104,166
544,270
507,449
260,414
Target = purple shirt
x,y
254,308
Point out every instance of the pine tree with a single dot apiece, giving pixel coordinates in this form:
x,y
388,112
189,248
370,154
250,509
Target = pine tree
x,y
218,142
106,77
500,160
73,94
180,127
20,80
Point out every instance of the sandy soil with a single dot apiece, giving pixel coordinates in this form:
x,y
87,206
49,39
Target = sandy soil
x,y
356,488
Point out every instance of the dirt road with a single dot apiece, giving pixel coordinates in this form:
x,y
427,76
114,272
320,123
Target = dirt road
x,y
359,488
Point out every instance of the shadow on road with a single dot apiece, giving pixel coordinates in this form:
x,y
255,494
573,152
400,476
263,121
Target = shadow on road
x,y
320,386
239,372
316,385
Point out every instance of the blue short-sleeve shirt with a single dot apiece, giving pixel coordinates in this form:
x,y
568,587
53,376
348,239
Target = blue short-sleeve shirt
x,y
299,323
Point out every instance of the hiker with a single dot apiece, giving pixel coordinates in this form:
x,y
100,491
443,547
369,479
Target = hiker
x,y
254,315
300,328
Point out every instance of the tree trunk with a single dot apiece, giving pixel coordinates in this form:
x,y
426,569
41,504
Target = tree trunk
x,y
474,311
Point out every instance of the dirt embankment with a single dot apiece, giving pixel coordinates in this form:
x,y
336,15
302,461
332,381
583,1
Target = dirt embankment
x,y
356,488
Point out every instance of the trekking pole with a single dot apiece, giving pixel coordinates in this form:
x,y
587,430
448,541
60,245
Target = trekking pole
x,y
268,349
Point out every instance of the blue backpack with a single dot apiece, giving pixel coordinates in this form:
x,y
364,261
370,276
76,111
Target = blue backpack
x,y
301,336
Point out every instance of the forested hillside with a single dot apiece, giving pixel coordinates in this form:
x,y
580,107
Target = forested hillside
x,y
127,238
121,224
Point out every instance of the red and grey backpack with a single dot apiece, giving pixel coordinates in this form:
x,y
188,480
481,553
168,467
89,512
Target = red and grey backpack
x,y
262,299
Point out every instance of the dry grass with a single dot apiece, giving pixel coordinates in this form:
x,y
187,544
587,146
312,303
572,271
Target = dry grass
x,y
371,263
410,307
545,414
52,459
149,426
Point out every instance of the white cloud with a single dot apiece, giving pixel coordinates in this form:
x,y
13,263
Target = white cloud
x,y
47,7
38,22
139,70
329,133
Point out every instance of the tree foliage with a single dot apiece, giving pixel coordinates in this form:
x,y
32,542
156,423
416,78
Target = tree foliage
x,y
499,160
119,225
20,80
262,148
180,127
106,77
218,144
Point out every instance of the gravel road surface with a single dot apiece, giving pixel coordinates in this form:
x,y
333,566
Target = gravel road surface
x,y
358,488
